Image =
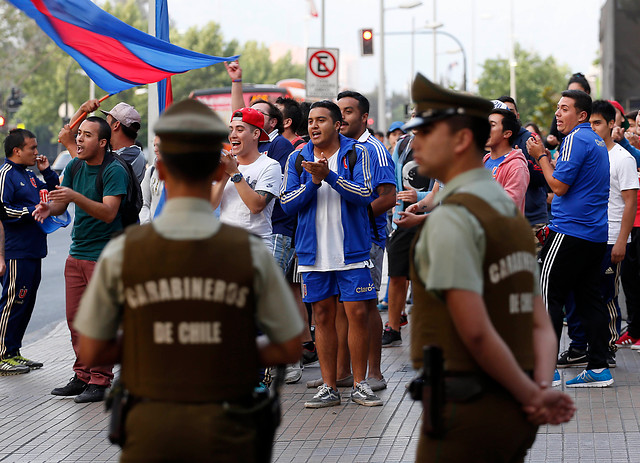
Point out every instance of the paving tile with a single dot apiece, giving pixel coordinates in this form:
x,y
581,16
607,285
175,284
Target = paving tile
x,y
38,427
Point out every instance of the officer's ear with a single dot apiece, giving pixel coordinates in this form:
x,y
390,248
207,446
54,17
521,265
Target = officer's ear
x,y
462,140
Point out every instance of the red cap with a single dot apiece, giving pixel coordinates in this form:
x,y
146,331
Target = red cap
x,y
618,106
253,117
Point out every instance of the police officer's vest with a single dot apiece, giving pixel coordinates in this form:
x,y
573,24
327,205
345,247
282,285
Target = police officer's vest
x,y
189,332
508,269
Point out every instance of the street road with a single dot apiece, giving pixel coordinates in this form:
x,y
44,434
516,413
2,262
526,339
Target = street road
x,y
50,309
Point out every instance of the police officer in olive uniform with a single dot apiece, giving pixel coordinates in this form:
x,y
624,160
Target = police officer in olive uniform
x,y
189,294
476,297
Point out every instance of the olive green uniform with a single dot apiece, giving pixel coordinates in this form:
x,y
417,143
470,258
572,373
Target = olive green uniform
x,y
182,362
484,247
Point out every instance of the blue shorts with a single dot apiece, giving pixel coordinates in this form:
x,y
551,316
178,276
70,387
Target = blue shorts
x,y
351,285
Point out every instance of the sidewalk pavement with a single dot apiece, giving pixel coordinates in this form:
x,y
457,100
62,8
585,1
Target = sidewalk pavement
x,y
38,427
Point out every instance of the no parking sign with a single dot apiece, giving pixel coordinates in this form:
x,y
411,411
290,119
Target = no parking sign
x,y
322,72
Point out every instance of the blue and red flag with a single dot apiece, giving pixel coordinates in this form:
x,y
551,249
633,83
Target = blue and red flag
x,y
114,55
165,92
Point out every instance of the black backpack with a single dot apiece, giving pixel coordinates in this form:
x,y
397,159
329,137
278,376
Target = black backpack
x,y
130,207
352,157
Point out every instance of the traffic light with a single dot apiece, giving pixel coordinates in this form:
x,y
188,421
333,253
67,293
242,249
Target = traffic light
x,y
15,101
366,41
3,122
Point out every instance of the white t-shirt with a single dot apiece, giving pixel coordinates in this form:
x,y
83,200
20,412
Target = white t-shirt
x,y
264,174
623,176
329,231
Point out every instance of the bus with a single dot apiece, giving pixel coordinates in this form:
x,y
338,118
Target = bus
x,y
219,99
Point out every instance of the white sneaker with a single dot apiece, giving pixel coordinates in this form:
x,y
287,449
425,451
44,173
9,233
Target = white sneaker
x,y
293,373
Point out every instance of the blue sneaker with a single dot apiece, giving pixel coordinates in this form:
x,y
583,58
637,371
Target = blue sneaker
x,y
557,381
589,378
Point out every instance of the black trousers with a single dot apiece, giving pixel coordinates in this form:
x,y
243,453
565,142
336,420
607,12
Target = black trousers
x,y
630,276
571,264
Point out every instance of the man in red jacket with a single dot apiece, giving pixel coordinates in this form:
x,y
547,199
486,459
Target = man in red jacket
x,y
507,165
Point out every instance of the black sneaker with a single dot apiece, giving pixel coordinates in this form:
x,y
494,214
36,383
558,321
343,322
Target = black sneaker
x,y
28,363
611,359
74,387
309,356
391,337
93,393
404,320
572,358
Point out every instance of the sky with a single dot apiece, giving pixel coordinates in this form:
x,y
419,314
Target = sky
x,y
568,30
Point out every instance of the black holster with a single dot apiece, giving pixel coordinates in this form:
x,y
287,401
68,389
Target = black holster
x,y
119,401
433,392
265,413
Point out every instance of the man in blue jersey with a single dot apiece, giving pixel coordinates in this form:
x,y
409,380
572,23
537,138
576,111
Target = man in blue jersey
x,y
328,185
355,112
26,244
578,231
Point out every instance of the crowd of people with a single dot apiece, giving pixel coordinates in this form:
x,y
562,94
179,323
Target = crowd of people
x,y
308,201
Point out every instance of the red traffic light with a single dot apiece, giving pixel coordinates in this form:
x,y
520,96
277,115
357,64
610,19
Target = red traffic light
x,y
366,41
3,121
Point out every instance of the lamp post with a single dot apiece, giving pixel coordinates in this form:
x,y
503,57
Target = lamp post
x,y
382,101
434,26
451,36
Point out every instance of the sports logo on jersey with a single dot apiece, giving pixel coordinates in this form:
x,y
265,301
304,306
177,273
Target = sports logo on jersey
x,y
304,290
33,182
600,142
22,293
344,163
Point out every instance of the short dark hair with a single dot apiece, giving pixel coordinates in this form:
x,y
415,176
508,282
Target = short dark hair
x,y
16,139
131,131
509,122
334,109
193,167
582,100
508,99
579,78
479,127
605,109
632,115
363,103
104,130
303,129
291,110
274,113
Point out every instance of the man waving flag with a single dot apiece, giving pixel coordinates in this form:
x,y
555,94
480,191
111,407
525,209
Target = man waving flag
x,y
114,55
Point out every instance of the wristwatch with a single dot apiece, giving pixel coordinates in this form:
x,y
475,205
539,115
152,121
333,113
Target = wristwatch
x,y
235,178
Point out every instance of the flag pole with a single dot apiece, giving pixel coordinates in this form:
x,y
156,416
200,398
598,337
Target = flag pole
x,y
82,116
153,111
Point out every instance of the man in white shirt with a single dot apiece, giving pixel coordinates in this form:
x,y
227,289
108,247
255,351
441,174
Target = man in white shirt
x,y
621,213
623,202
328,185
245,193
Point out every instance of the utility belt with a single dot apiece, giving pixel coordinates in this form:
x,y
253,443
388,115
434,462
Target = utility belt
x,y
435,387
262,406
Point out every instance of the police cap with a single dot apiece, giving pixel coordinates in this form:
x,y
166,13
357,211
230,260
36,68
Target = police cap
x,y
434,102
189,126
